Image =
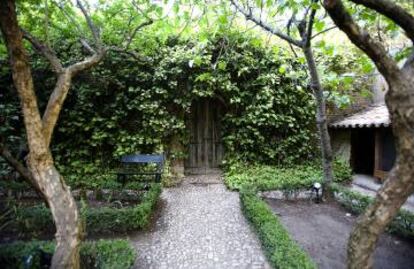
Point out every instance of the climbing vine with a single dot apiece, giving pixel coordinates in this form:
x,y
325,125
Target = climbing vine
x,y
125,105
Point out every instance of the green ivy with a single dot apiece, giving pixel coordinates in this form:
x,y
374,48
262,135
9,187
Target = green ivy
x,y
124,105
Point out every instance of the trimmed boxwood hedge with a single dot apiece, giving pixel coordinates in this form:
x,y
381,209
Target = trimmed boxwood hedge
x,y
38,219
403,223
103,254
280,249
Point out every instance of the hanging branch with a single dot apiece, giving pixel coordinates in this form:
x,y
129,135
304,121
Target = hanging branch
x,y
92,27
136,30
289,24
65,74
308,34
44,49
249,16
393,11
16,164
324,31
361,38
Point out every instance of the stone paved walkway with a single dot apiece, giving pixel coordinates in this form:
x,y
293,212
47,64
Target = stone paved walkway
x,y
200,226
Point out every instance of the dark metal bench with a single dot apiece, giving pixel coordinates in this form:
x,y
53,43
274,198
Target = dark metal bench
x,y
130,165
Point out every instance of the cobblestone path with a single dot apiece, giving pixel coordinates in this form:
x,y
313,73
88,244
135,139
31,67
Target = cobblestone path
x,y
200,226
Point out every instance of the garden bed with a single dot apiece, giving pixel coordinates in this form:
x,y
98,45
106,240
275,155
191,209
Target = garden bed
x,y
324,232
287,179
131,212
98,254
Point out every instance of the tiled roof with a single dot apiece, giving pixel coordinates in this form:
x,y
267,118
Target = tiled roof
x,y
373,116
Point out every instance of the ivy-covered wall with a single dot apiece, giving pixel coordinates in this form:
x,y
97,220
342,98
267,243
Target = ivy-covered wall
x,y
127,105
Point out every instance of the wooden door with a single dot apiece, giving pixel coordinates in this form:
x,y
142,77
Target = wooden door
x,y
205,150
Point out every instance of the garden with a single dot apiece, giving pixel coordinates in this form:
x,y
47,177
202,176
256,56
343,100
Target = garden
x,y
193,134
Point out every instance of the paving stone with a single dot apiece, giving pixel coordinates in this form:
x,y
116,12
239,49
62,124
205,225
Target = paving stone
x,y
200,226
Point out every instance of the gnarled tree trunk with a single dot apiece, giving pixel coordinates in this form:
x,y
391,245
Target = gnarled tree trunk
x,y
400,102
400,182
40,161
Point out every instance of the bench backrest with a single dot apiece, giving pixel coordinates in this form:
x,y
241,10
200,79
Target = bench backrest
x,y
143,158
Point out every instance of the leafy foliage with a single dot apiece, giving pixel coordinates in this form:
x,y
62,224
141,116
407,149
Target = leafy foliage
x,y
125,105
281,250
98,254
38,219
265,177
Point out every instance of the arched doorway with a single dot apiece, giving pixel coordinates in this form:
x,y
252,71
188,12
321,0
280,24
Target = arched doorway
x,y
205,149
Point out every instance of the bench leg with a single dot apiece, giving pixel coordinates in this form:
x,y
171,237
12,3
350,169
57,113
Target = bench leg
x,y
158,178
122,179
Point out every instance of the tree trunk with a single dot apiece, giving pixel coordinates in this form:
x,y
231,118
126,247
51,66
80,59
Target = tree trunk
x,y
65,214
40,161
321,120
400,182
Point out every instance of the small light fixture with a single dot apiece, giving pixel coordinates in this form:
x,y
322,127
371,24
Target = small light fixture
x,y
316,187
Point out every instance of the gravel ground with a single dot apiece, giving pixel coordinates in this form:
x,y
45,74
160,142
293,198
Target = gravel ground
x,y
200,226
323,230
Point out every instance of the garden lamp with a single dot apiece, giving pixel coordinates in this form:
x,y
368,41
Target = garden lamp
x,y
317,187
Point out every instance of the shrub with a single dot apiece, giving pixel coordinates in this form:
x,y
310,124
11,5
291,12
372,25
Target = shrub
x,y
265,177
342,171
272,177
403,223
38,219
99,254
107,219
280,249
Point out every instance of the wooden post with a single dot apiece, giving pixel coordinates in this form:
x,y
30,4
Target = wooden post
x,y
378,170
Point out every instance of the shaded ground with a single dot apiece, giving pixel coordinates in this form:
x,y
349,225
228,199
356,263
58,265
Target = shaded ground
x,y
323,230
200,226
368,185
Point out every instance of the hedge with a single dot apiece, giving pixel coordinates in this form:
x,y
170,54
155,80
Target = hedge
x,y
280,249
403,223
30,220
103,254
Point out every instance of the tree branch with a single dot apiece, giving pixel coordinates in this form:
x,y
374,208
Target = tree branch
x,y
139,27
393,11
249,16
91,25
131,53
44,49
58,96
308,36
60,91
361,38
19,167
13,162
324,31
86,45
87,63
